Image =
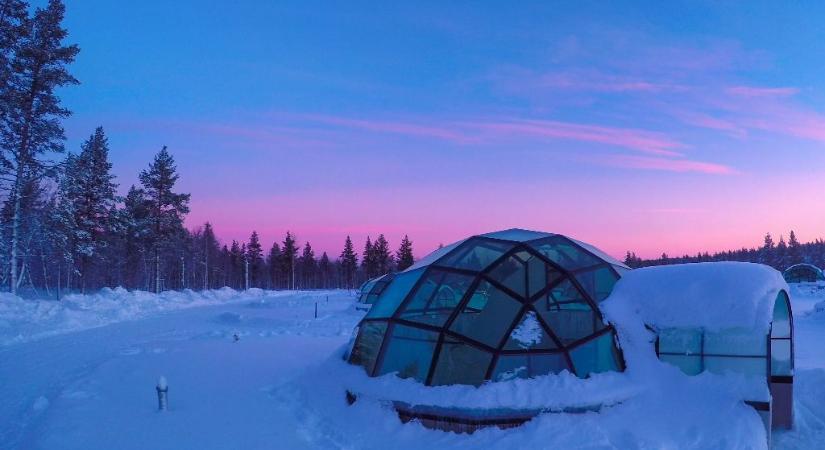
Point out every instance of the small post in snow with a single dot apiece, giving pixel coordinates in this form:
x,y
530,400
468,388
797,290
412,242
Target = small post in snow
x,y
316,310
162,389
327,299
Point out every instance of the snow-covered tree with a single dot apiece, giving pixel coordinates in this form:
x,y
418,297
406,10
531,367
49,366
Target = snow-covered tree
x,y
30,110
166,208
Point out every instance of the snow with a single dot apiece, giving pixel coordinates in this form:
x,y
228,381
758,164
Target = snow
x,y
92,386
714,296
528,332
25,320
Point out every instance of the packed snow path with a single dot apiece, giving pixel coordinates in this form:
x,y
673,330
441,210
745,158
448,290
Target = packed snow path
x,y
94,388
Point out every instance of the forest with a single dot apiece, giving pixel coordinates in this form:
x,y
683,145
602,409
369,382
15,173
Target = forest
x,y
63,226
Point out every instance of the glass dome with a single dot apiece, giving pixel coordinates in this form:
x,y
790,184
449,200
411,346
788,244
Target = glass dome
x,y
803,273
372,288
499,306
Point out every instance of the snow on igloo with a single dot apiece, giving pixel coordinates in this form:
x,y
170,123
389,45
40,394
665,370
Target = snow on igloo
x,y
498,306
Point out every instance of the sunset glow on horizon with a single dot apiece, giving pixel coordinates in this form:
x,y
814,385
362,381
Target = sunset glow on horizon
x,y
649,127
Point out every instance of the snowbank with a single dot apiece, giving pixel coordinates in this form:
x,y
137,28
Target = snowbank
x,y
24,320
711,295
659,409
551,392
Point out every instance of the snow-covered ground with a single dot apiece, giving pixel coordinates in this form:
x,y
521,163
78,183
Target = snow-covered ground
x,y
81,374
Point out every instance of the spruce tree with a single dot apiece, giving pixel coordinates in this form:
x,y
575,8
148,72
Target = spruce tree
x,y
236,265
382,258
210,256
273,261
308,267
30,110
349,264
91,189
368,259
404,256
325,270
13,16
781,260
794,251
131,230
255,254
166,208
289,252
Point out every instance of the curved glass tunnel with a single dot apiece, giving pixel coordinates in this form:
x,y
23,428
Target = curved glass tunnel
x,y
695,350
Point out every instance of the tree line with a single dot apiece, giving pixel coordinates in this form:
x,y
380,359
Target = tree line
x,y
64,227
779,255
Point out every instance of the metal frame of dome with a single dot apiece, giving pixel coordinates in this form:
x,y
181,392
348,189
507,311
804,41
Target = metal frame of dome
x,y
568,278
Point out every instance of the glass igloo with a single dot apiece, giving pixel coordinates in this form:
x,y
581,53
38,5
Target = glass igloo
x,y
803,273
371,289
498,306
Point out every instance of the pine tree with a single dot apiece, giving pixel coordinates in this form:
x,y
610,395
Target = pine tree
x,y
349,264
404,256
210,255
308,266
30,110
13,16
166,208
131,229
90,187
235,265
794,251
325,270
289,252
368,259
273,261
781,261
255,254
382,257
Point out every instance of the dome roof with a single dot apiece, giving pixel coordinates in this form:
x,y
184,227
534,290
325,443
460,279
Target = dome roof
x,y
503,305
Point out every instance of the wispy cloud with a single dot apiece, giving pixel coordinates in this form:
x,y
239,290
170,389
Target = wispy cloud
x,y
666,164
394,127
760,92
633,139
494,130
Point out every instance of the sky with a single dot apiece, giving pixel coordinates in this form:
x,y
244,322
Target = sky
x,y
654,127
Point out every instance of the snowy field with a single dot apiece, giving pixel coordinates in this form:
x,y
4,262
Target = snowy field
x,y
81,374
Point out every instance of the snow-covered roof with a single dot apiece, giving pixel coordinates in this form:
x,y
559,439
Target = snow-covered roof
x,y
714,295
